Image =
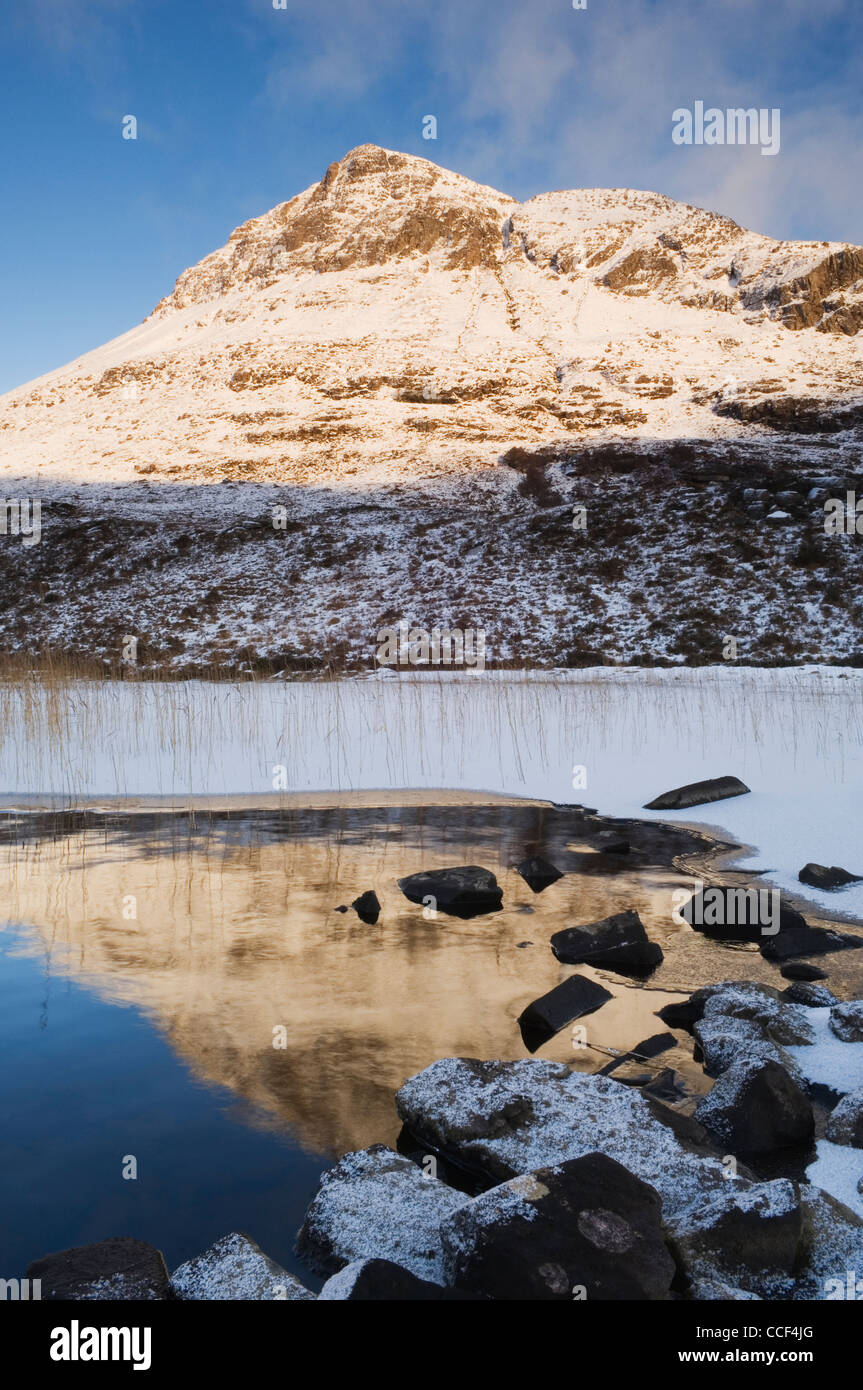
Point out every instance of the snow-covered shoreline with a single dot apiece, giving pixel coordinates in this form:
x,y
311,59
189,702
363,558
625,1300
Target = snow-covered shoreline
x,y
612,738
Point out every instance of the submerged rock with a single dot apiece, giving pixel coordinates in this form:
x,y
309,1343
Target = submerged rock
x,y
800,970
584,1225
612,842
619,942
756,1107
698,794
846,1021
116,1269
367,907
567,1001
460,892
375,1204
538,873
827,877
235,1267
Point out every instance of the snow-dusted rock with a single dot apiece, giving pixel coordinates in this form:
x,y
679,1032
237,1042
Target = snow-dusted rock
x,y
235,1267
845,1125
585,1223
744,1236
723,1040
810,995
756,1107
118,1269
502,1119
846,1021
832,1244
375,1204
379,1280
778,1020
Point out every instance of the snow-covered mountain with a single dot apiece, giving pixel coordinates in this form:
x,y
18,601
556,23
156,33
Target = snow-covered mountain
x,y
398,321
425,377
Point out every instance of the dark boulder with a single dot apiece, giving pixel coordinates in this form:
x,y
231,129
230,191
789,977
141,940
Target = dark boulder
x,y
756,1107
567,1001
800,970
538,873
463,892
698,794
822,876
584,1228
618,943
367,907
116,1269
793,941
727,913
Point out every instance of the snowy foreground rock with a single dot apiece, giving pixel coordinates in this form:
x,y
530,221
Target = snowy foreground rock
x,y
586,1188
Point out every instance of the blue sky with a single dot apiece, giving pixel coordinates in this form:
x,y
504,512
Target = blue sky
x,y
240,106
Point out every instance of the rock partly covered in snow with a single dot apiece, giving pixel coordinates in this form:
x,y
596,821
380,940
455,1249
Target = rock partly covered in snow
x,y
375,1204
375,1280
756,1107
747,1235
117,1269
846,1021
235,1267
501,1119
585,1228
845,1125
